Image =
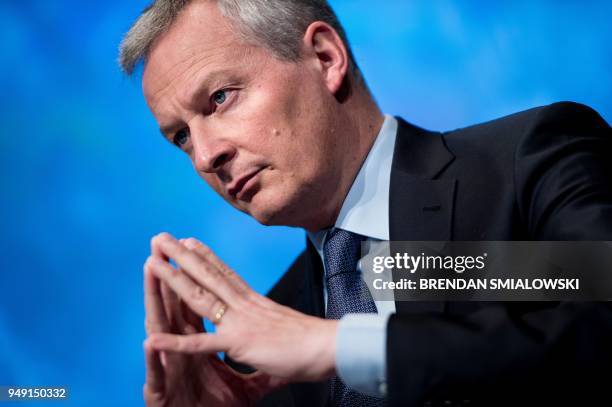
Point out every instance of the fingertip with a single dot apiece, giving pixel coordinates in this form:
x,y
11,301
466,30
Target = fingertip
x,y
149,277
155,251
155,267
148,348
165,237
147,264
159,238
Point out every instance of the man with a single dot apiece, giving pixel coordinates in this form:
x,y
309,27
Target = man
x,y
266,100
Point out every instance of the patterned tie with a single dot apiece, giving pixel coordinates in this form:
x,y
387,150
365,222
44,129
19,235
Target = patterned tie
x,y
346,293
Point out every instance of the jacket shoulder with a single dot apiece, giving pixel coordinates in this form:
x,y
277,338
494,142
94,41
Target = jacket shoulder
x,y
561,114
569,114
501,140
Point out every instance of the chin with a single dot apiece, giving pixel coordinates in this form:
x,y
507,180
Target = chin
x,y
269,216
273,211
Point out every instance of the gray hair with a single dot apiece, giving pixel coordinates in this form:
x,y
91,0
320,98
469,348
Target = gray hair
x,y
278,25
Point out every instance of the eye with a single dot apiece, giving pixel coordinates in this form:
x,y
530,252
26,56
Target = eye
x,y
181,137
219,97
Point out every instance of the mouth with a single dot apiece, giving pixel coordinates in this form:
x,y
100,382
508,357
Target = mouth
x,y
239,188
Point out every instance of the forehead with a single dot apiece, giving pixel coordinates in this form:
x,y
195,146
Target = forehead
x,y
200,37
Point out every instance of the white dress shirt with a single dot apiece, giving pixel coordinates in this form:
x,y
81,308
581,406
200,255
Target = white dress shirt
x,y
361,339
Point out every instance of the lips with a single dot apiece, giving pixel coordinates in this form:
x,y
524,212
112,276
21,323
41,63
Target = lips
x,y
236,187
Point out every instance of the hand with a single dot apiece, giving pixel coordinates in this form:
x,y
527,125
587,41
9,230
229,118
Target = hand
x,y
276,340
253,330
175,379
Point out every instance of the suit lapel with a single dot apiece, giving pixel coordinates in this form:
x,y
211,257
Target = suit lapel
x,y
310,301
310,297
420,204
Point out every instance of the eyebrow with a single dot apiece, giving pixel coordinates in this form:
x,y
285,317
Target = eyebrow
x,y
202,85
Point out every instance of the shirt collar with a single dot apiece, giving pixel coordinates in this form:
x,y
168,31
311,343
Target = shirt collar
x,y
365,209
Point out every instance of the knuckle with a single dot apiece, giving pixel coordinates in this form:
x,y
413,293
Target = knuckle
x,y
251,295
206,251
245,302
190,344
191,243
170,270
213,275
181,249
203,272
198,295
183,344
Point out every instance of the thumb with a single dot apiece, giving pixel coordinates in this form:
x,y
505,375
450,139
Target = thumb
x,y
194,343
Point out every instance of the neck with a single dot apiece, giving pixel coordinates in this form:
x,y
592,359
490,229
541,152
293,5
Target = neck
x,y
360,124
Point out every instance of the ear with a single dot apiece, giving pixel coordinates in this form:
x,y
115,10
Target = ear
x,y
328,51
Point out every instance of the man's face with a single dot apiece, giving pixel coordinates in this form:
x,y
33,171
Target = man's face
x,y
258,130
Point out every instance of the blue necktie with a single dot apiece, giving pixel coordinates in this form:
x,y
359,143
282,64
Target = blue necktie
x,y
346,293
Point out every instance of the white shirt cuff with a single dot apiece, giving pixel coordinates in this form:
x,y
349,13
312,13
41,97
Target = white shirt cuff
x,y
361,346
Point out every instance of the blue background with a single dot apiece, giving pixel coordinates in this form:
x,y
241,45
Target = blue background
x,y
86,179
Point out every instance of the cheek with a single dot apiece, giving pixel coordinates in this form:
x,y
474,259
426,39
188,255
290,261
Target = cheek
x,y
272,112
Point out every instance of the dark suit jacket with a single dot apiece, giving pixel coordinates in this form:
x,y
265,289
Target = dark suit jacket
x,y
542,174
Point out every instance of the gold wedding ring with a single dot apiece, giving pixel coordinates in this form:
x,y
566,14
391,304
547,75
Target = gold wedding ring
x,y
219,314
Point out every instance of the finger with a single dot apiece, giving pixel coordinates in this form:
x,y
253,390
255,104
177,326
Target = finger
x,y
156,319
239,284
184,319
206,253
155,375
172,305
198,268
193,321
155,251
181,318
197,298
196,343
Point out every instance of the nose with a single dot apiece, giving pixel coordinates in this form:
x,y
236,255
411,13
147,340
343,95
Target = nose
x,y
210,154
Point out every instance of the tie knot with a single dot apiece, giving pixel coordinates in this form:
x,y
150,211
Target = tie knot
x,y
341,251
